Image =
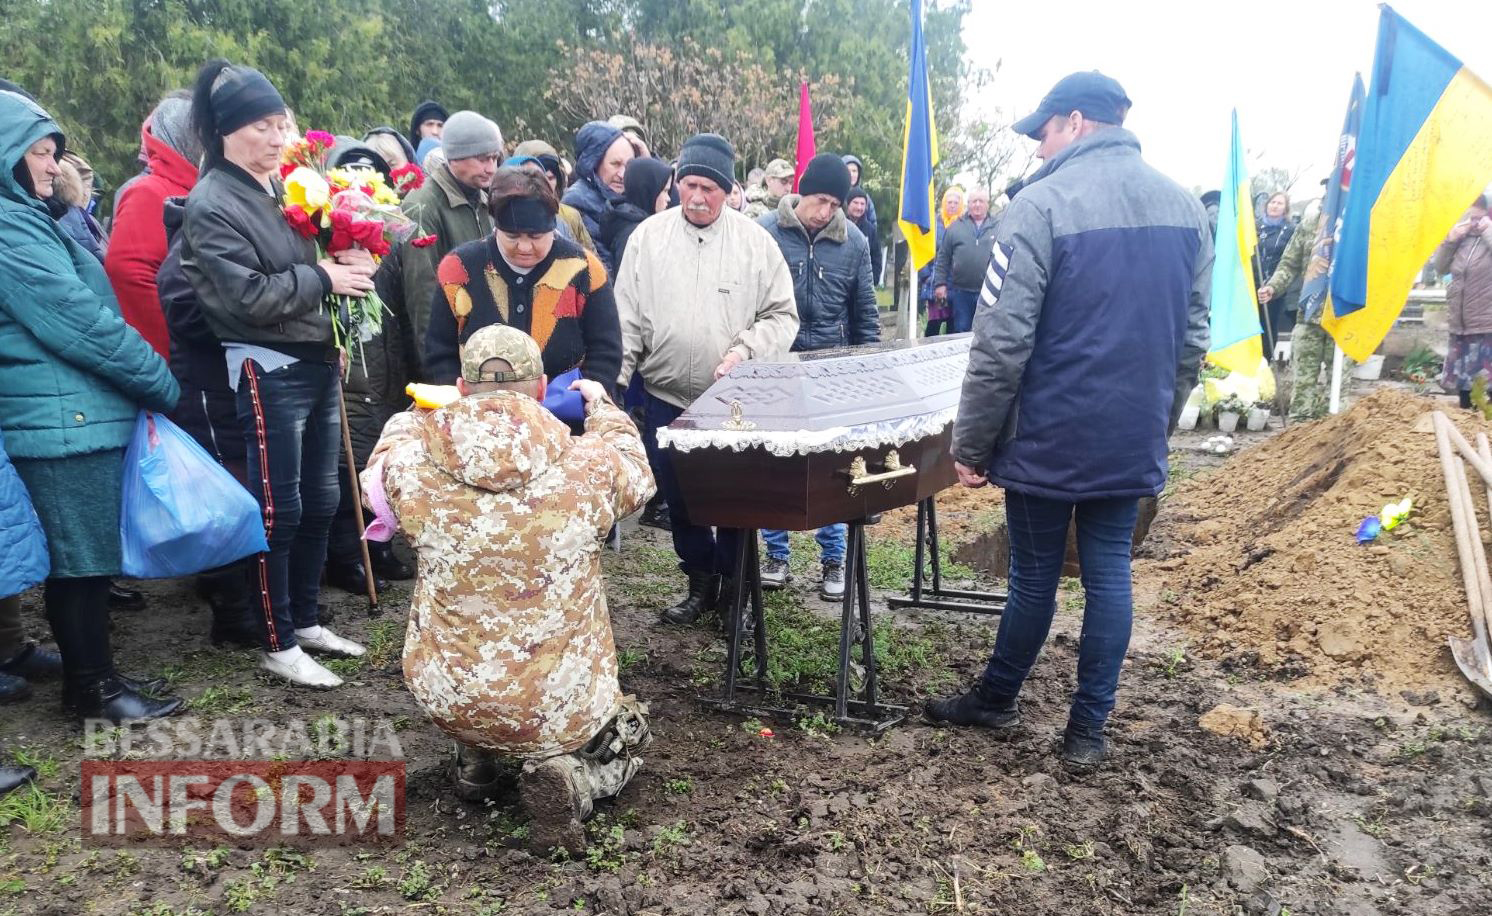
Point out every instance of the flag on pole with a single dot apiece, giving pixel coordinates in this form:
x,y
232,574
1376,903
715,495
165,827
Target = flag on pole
x,y
1422,158
1236,343
807,148
919,155
1316,281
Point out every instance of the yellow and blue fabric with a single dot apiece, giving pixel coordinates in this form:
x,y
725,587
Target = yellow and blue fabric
x,y
919,155
1422,158
1317,278
1236,344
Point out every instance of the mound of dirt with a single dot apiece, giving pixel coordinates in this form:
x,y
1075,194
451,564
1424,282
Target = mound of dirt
x,y
1265,571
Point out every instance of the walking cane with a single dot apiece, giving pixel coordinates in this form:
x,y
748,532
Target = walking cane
x,y
357,501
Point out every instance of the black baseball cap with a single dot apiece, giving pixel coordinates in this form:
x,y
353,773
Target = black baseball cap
x,y
1098,97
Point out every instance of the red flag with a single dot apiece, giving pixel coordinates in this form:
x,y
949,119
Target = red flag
x,y
807,149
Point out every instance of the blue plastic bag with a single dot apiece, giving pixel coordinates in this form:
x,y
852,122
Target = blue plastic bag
x,y
182,511
561,401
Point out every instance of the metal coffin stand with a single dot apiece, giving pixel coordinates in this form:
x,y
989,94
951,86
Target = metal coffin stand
x,y
727,466
936,597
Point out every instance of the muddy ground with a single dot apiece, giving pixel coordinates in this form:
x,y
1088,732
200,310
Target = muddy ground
x,y
1344,802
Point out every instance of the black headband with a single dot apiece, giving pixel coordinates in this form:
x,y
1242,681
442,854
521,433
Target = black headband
x,y
241,97
525,214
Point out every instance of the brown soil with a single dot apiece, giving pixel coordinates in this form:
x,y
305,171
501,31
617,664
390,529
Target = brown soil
x,y
963,514
1258,559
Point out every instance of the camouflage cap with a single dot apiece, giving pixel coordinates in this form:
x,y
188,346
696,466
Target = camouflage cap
x,y
627,124
779,168
498,341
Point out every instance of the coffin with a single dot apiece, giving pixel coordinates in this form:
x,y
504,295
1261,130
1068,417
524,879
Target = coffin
x,y
811,439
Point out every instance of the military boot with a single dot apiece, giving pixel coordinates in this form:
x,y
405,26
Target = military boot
x,y
704,590
478,774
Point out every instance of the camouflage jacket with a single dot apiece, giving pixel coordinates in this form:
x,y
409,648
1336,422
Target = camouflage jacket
x,y
509,643
758,203
1293,263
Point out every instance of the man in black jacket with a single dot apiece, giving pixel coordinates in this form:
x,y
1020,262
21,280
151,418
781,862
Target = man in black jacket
x,y
963,257
830,262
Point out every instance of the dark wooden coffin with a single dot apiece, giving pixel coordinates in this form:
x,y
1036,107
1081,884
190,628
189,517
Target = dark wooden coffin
x,y
816,438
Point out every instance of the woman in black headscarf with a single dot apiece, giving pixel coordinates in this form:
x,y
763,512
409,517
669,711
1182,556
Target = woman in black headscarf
x,y
649,184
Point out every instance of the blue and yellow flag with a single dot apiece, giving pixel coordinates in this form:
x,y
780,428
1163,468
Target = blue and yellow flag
x,y
1316,284
1236,344
1422,158
919,155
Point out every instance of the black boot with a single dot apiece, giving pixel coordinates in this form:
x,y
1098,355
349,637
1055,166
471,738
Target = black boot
x,y
33,663
13,689
387,565
113,702
125,599
12,778
348,575
704,591
229,593
1083,746
977,707
655,515
154,686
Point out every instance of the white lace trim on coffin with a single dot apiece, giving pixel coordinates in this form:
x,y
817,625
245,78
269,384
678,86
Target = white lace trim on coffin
x,y
786,443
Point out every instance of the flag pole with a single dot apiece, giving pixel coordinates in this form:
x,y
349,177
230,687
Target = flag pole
x,y
1335,403
911,329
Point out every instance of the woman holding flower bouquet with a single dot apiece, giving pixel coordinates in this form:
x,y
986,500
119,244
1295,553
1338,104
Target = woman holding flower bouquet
x,y
263,290
525,277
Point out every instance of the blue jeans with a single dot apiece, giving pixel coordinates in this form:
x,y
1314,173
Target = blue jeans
x,y
700,548
963,302
291,424
1038,545
830,538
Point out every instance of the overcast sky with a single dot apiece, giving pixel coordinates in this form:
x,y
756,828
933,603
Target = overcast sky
x,y
1286,65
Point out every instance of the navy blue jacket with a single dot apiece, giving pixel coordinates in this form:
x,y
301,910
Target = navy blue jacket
x,y
588,194
1090,328
831,279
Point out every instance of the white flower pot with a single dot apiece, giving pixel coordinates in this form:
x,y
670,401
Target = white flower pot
x,y
1227,421
1370,370
1258,419
1189,416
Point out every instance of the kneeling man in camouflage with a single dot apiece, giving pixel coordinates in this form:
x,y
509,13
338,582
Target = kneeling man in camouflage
x,y
509,647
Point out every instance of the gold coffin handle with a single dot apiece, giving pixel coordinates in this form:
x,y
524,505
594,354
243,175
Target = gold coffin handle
x,y
860,475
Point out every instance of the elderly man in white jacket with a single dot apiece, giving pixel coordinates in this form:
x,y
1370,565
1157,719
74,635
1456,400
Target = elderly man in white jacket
x,y
700,290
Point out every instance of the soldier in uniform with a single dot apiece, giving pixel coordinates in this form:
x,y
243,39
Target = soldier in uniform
x,y
777,182
509,648
1310,345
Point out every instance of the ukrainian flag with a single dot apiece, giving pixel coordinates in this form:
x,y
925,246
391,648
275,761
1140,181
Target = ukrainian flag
x,y
1424,154
1236,342
919,155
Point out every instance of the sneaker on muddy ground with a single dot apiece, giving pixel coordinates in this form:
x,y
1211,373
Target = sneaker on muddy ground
x,y
832,586
775,574
976,707
556,795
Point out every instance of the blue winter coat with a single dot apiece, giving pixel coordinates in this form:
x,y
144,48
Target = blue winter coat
x,y
588,194
73,375
23,544
831,279
1090,327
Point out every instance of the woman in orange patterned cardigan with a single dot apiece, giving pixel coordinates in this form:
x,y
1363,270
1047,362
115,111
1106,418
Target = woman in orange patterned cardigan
x,y
523,276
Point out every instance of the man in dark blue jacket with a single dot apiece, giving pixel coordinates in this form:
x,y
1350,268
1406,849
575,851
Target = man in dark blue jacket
x,y
830,262
1091,326
963,257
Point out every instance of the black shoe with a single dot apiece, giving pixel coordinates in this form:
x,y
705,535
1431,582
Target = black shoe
x,y
155,687
349,577
1083,746
656,516
13,689
12,778
976,707
33,663
704,590
113,702
125,599
387,565
236,630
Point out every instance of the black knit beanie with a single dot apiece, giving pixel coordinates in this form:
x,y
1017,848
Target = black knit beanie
x,y
826,174
241,96
708,156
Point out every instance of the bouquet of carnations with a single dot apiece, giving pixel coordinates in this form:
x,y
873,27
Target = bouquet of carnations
x,y
347,208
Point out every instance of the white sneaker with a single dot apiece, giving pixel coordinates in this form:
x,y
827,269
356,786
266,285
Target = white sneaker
x,y
775,574
329,643
303,670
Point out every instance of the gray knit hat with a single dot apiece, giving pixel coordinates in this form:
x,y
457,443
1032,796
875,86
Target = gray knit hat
x,y
468,134
171,123
709,156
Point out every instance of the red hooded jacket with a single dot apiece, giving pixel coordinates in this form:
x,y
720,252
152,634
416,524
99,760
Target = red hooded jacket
x,y
138,238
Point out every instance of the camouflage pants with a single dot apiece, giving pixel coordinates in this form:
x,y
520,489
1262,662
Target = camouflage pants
x,y
1311,350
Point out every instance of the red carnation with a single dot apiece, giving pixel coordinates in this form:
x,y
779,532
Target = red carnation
x,y
321,138
407,177
424,241
301,221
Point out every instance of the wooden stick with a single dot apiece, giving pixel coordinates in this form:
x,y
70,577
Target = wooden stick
x,y
1478,551
1469,579
357,499
1482,466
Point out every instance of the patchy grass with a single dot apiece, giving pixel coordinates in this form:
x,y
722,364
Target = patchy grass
x,y
35,810
628,659
890,565
222,701
385,642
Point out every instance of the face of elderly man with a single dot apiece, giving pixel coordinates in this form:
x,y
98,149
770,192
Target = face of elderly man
x,y
701,198
978,204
